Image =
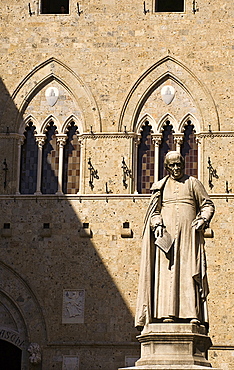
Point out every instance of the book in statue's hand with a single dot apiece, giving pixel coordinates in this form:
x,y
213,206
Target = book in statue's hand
x,y
165,241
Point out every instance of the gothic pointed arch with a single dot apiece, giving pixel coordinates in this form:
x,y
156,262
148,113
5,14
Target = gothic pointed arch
x,y
172,70
54,71
50,119
146,118
21,303
30,119
184,122
163,121
72,119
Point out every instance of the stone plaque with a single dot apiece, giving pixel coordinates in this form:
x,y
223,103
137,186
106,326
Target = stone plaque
x,y
73,306
70,363
52,95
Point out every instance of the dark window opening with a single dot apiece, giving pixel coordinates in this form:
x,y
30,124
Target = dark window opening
x,y
46,225
28,165
55,7
50,162
126,225
85,225
169,5
166,145
189,150
145,161
71,162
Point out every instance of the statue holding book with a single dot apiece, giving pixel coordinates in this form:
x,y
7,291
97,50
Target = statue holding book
x,y
173,282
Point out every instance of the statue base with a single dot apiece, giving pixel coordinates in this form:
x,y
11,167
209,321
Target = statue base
x,y
173,346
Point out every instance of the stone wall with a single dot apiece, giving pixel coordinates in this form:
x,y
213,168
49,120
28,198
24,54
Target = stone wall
x,y
109,65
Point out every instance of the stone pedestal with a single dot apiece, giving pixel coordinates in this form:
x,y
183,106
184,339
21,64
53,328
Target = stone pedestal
x,y
173,347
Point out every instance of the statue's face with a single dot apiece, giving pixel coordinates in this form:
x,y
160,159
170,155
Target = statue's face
x,y
175,167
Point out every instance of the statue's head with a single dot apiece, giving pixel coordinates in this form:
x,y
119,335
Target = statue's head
x,y
174,164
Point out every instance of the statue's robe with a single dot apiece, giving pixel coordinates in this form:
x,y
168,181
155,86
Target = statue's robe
x,y
174,283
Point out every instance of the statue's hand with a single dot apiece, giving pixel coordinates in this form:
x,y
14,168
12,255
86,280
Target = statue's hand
x,y
199,223
158,231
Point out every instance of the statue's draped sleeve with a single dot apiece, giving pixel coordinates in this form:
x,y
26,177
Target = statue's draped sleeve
x,y
143,309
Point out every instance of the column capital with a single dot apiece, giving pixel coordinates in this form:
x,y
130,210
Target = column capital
x,y
80,140
137,139
21,140
197,140
61,139
40,139
178,138
157,139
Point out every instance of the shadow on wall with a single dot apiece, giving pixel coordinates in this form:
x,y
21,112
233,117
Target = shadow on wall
x,y
50,248
8,152
6,101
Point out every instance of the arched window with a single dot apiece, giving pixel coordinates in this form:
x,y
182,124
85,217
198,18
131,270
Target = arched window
x,y
189,150
71,162
145,170
50,161
152,148
29,158
167,144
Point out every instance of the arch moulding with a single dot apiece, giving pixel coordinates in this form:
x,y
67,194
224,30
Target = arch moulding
x,y
16,290
43,74
168,68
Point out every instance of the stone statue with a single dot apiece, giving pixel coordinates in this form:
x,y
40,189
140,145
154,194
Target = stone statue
x,y
173,282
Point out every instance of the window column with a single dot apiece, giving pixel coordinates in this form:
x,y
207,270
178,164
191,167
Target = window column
x,y
61,140
198,142
40,140
136,142
82,176
157,141
178,139
19,145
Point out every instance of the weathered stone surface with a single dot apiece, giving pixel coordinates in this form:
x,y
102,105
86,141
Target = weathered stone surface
x,y
105,63
174,344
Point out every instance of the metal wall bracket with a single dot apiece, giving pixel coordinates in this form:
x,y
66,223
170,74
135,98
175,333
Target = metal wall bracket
x,y
126,173
212,174
30,10
195,7
93,174
145,10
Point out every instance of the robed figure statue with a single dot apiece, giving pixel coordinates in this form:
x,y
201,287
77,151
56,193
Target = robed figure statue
x,y
173,282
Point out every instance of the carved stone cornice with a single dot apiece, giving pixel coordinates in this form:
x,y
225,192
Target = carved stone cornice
x,y
109,135
14,136
212,134
100,197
